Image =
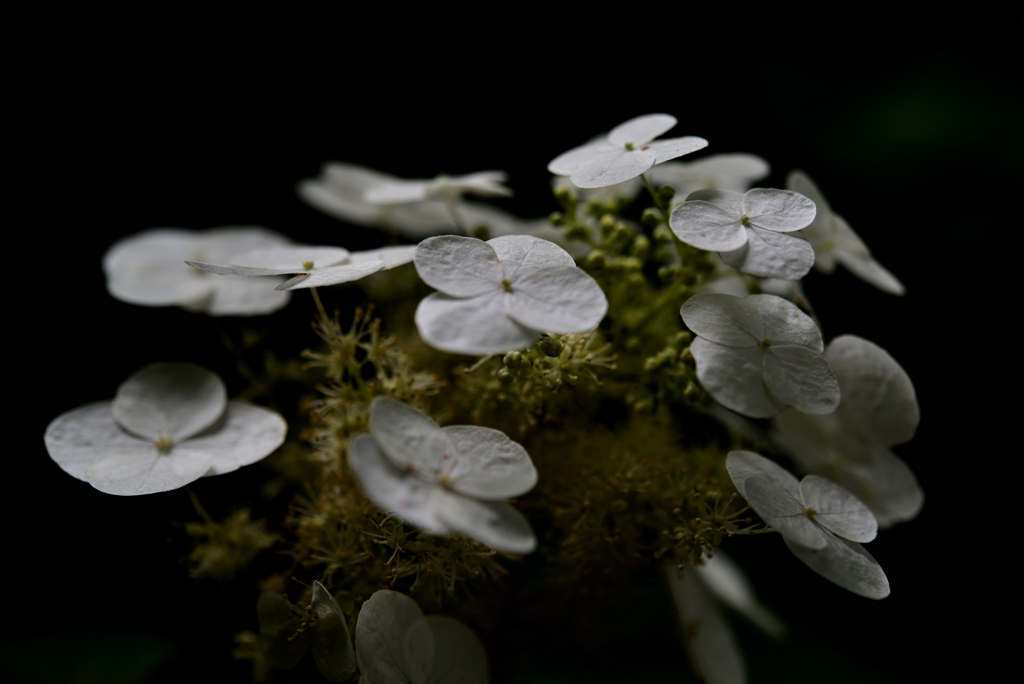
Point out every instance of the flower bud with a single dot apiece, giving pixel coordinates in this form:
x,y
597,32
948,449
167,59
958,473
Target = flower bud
x,y
596,260
663,234
641,246
482,232
551,346
557,218
505,376
651,217
607,224
667,274
686,356
513,359
564,195
577,232
666,193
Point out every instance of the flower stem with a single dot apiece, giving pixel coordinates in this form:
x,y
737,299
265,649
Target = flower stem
x,y
319,304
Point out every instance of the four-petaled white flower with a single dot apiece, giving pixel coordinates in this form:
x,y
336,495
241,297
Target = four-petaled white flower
x,y
396,644
400,191
835,241
147,269
444,480
853,446
821,523
168,425
753,231
735,172
759,354
500,295
625,153
310,266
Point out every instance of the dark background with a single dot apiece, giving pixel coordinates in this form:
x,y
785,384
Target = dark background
x,y
178,115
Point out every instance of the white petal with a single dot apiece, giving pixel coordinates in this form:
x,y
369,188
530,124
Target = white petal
x,y
785,323
393,641
748,167
488,464
458,266
409,438
229,270
846,564
475,326
410,499
611,168
219,244
847,239
330,642
801,378
237,296
871,272
782,211
492,523
290,258
397,192
727,582
333,275
559,300
771,255
175,400
784,513
391,256
838,510
671,148
130,473
884,482
521,255
743,465
565,163
879,401
723,319
729,201
641,129
801,183
244,434
709,642
734,377
707,225
77,437
459,656
147,269
320,195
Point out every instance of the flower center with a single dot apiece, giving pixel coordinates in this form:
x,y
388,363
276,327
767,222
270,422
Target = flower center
x,y
445,481
765,343
507,284
629,146
810,512
307,264
745,220
163,444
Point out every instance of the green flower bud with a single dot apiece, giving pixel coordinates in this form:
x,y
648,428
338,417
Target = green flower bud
x,y
667,274
607,224
641,247
636,280
564,195
577,231
630,264
557,218
663,234
686,356
551,346
666,193
682,338
651,217
505,376
513,359
570,379
692,393
596,260
482,232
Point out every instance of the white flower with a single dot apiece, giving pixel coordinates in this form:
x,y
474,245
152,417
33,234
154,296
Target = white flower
x,y
853,445
147,269
444,480
834,241
311,266
168,425
625,153
820,521
399,191
396,644
500,295
759,354
752,231
735,172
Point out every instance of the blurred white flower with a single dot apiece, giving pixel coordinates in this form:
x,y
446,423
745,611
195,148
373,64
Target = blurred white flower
x,y
310,266
821,523
834,241
625,153
753,231
735,172
853,445
444,480
447,188
396,644
168,425
759,354
500,295
147,269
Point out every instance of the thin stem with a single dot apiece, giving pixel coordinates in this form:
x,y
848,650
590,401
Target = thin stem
x,y
319,304
664,215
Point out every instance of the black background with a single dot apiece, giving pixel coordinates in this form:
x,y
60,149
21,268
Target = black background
x,y
187,116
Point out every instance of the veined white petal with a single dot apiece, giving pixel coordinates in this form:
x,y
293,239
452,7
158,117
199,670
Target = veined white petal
x,y
459,266
394,643
521,255
672,148
291,258
333,275
724,319
771,255
641,129
78,437
734,378
846,564
707,225
784,512
492,523
837,510
565,163
559,300
243,435
169,400
488,465
474,326
611,168
410,439
785,323
727,582
782,211
801,378
459,656
330,642
130,473
743,465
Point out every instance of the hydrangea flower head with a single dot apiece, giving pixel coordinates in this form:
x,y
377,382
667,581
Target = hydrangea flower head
x,y
821,523
444,480
834,241
399,191
168,425
753,231
396,643
626,152
758,354
500,295
147,269
310,266
853,446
